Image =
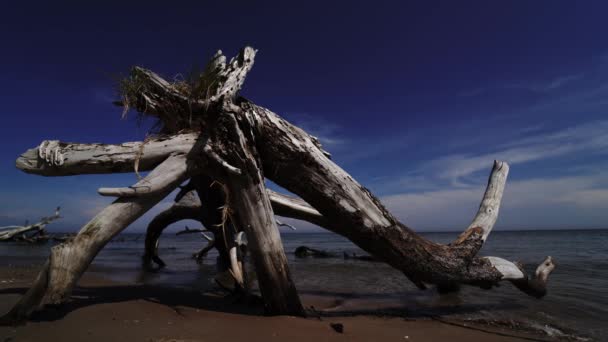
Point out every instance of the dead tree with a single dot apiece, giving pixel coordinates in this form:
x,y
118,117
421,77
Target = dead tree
x,y
28,232
207,130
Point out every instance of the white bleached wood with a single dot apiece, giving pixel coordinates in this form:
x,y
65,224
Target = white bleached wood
x,y
69,260
55,158
490,204
509,270
544,269
80,158
217,160
282,224
352,211
250,203
267,145
293,207
150,185
230,76
236,269
207,237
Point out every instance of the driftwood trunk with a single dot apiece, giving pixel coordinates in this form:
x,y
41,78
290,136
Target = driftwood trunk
x,y
69,260
253,214
239,144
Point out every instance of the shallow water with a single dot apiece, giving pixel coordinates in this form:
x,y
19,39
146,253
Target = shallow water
x,y
578,289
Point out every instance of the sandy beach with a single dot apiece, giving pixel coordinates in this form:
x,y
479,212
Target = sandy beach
x,y
103,310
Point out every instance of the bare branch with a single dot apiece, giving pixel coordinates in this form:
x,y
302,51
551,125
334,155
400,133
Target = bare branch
x,y
230,77
150,185
293,207
64,159
535,285
218,161
281,224
490,204
187,207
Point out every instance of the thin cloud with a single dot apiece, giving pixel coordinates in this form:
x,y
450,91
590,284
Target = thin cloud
x,y
533,86
560,202
590,138
554,84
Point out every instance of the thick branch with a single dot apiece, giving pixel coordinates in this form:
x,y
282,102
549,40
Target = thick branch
x,y
55,158
150,185
182,105
252,212
490,204
295,160
292,207
352,211
188,207
79,158
228,78
69,260
535,285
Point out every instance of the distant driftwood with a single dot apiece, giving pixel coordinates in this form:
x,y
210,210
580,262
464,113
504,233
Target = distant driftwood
x,y
308,252
33,233
226,147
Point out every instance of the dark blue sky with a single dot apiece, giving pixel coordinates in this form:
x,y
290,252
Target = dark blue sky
x,y
415,99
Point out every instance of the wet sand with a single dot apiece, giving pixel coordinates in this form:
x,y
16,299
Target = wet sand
x,y
103,310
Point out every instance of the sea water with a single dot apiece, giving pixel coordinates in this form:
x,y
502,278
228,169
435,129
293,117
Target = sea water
x,y
576,303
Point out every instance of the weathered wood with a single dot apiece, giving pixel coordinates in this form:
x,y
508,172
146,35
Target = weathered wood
x,y
296,161
535,285
292,207
69,260
236,261
82,158
188,207
179,107
283,224
252,212
55,158
151,185
490,204
292,159
11,232
283,146
240,143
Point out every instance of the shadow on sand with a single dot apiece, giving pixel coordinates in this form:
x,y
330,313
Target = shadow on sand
x,y
176,298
